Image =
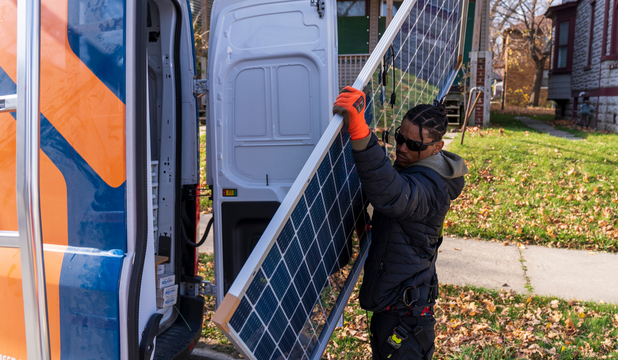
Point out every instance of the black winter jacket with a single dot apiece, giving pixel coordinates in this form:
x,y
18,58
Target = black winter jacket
x,y
410,205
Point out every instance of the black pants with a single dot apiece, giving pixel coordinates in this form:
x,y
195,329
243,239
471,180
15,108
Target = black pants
x,y
382,326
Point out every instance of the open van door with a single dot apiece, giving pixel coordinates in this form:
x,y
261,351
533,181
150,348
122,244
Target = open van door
x,y
272,80
115,129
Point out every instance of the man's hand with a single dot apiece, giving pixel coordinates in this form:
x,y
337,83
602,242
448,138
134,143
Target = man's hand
x,y
351,105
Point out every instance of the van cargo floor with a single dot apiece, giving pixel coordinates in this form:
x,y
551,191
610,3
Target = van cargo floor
x,y
178,341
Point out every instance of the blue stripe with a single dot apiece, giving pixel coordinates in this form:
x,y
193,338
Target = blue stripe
x,y
96,34
97,225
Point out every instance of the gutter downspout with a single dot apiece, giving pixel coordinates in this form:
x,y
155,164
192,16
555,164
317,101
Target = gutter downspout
x,y
596,115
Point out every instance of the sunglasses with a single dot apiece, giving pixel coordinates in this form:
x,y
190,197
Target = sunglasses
x,y
413,145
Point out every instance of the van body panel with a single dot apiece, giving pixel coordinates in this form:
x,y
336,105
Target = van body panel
x,y
82,174
85,207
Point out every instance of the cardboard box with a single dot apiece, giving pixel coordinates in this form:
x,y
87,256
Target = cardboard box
x,y
165,280
167,292
160,270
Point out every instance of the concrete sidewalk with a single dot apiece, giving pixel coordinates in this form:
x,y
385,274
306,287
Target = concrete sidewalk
x,y
568,274
546,128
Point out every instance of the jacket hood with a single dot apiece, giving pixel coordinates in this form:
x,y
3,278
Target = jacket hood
x,y
450,166
445,163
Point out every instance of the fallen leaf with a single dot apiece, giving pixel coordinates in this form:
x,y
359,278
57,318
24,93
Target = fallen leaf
x,y
554,304
458,249
570,326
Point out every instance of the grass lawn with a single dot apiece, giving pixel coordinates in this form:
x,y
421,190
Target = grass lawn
x,y
529,187
475,323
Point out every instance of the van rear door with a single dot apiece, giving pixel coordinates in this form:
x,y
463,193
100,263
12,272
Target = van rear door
x,y
272,81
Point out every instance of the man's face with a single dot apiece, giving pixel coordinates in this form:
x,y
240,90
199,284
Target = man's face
x,y
410,131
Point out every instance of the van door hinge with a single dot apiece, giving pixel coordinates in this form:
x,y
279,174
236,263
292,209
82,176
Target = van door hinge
x,y
200,86
321,7
207,288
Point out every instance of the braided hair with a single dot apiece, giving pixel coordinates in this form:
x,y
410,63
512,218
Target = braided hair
x,y
431,117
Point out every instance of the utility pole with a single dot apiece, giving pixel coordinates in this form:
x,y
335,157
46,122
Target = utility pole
x,y
480,62
505,51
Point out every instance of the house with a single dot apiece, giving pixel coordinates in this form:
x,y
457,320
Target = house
x,y
520,67
584,62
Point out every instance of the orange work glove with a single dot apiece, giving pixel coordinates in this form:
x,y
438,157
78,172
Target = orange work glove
x,y
351,105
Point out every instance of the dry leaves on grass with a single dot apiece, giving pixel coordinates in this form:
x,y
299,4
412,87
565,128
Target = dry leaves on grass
x,y
506,325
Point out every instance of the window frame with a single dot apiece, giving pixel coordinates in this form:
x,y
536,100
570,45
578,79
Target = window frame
x,y
605,56
569,46
614,32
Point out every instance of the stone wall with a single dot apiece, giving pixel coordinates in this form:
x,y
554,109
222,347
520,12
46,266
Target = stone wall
x,y
586,79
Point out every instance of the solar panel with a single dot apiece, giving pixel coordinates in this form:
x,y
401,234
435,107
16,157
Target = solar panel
x,y
289,299
293,288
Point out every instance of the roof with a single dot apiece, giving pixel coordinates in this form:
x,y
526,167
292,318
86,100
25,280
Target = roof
x,y
551,12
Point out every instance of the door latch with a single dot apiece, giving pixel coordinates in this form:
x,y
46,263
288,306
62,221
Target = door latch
x,y
200,86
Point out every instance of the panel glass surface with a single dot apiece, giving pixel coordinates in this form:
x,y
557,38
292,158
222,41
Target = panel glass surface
x,y
419,62
289,301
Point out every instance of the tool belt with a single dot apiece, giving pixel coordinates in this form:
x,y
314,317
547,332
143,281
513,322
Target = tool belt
x,y
416,300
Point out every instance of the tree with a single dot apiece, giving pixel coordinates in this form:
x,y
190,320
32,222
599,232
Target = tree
x,y
501,15
532,30
537,37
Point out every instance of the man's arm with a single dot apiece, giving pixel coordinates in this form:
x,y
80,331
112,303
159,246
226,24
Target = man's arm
x,y
389,192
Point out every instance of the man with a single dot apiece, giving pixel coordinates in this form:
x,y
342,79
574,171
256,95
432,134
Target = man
x,y
410,201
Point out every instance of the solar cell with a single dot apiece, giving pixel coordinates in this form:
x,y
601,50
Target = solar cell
x,y
281,305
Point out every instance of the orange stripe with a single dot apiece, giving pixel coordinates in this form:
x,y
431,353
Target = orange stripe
x,y
74,100
13,334
54,212
8,200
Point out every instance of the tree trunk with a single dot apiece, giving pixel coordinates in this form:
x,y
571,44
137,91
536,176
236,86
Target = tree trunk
x,y
538,81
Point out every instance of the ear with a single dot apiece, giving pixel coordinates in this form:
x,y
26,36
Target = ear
x,y
438,147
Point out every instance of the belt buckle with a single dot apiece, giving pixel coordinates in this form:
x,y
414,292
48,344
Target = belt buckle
x,y
396,339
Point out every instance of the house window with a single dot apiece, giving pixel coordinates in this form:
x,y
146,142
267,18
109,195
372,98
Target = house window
x,y
396,6
563,44
545,82
351,8
614,33
591,35
353,26
610,45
